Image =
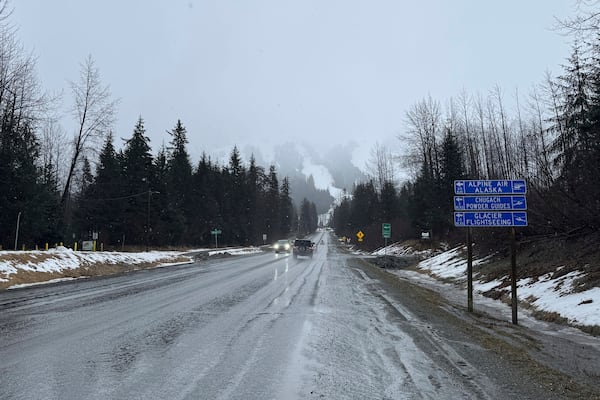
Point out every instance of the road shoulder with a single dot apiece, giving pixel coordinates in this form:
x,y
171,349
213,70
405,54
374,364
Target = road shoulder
x,y
516,352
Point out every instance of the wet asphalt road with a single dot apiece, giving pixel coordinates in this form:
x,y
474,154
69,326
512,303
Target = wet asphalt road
x,y
193,331
254,327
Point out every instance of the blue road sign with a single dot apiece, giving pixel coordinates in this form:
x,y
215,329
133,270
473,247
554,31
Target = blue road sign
x,y
487,187
490,218
485,203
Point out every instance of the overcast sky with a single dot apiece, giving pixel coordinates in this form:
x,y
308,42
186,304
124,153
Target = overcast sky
x,y
269,71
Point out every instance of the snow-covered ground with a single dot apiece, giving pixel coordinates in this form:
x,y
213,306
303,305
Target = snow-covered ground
x,y
544,294
62,259
236,251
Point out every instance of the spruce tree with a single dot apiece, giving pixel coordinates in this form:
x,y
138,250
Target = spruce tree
x,y
388,202
138,176
235,200
207,184
179,188
286,208
272,218
255,205
107,196
304,224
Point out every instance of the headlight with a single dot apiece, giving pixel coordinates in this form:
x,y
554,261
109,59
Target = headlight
x,y
276,246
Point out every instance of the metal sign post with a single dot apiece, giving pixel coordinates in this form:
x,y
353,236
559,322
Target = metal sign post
x,y
469,270
491,203
513,275
386,230
216,232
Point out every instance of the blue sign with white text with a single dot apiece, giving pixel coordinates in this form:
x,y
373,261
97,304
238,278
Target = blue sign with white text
x,y
484,203
489,219
490,187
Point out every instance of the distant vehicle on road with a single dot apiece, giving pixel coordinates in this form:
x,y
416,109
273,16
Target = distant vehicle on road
x,y
282,246
303,247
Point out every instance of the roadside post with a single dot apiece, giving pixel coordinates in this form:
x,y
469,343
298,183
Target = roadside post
x,y
491,203
386,232
216,232
469,270
513,274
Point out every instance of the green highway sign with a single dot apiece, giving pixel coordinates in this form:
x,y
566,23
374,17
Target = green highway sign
x,y
386,230
216,232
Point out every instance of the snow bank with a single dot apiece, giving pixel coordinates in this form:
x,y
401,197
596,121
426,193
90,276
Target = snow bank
x,y
36,264
397,249
554,295
558,295
62,259
235,251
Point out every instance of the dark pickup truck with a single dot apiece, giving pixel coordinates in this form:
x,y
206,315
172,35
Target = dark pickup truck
x,y
303,247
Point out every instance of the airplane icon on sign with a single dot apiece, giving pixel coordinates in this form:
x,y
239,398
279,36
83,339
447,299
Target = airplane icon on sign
x,y
518,186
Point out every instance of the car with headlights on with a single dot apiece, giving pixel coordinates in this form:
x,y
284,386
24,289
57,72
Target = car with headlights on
x,y
282,246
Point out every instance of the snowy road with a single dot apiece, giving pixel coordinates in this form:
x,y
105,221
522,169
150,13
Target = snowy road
x,y
257,327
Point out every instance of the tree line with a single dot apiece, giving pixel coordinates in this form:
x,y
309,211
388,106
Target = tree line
x,y
55,188
550,137
164,200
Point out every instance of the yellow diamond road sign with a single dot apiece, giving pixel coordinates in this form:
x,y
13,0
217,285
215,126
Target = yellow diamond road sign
x,y
360,235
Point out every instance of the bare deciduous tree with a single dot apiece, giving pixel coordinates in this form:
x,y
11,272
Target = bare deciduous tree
x,y
52,148
381,166
94,110
424,127
587,20
22,100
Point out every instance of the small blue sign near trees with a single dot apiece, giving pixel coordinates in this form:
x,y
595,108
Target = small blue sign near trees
x,y
484,203
483,187
490,219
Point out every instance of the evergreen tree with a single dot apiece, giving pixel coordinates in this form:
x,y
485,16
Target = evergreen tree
x,y
138,175
575,146
304,224
255,204
272,219
570,143
452,168
313,217
389,207
286,208
179,188
234,204
364,206
160,213
107,196
23,187
84,203
341,218
420,202
206,182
